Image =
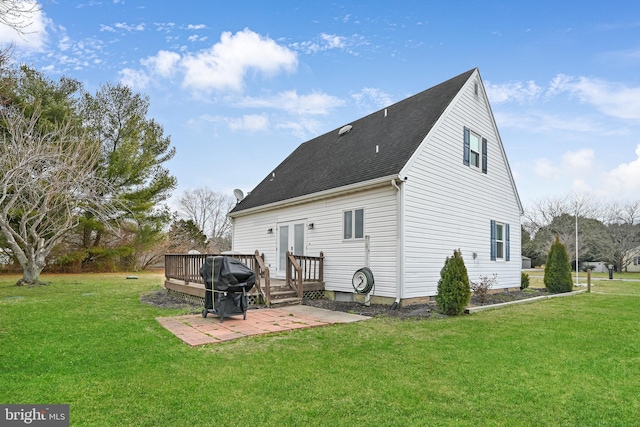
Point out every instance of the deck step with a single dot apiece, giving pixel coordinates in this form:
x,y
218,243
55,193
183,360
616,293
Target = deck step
x,y
283,293
281,302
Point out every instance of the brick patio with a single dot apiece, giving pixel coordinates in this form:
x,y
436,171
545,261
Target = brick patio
x,y
195,330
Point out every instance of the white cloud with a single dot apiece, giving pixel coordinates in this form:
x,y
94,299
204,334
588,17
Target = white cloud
x,y
372,96
317,103
613,99
250,122
625,178
546,121
544,168
163,64
323,43
32,24
573,165
583,174
302,128
196,27
225,64
513,91
578,163
134,78
127,27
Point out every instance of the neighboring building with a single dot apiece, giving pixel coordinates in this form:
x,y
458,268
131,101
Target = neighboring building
x,y
633,264
399,190
526,263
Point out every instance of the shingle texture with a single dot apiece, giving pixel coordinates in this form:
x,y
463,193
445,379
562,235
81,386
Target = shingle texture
x,y
332,160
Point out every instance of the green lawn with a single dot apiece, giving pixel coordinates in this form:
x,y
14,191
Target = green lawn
x,y
86,340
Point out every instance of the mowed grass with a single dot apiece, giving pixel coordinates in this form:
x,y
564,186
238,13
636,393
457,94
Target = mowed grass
x,y
86,340
621,284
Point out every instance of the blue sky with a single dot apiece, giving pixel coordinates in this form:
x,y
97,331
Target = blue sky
x,y
239,84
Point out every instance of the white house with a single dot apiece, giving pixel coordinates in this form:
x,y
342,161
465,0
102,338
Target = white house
x,y
398,191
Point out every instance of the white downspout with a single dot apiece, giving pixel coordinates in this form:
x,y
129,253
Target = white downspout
x,y
399,242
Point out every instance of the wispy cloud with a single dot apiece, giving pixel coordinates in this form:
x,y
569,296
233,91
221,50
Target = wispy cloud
x,y
513,92
316,103
249,122
128,27
370,97
325,42
610,98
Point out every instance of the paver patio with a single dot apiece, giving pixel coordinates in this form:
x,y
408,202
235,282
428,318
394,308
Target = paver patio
x,y
195,330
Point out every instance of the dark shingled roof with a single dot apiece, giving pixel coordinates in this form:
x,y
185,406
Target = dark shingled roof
x,y
332,160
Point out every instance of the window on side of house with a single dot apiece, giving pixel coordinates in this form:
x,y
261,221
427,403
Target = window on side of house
x,y
475,150
500,245
499,241
353,224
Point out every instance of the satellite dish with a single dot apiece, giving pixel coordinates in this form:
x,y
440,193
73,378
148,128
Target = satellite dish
x,y
239,194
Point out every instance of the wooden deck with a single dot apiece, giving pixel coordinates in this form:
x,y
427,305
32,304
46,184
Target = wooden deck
x,y
304,275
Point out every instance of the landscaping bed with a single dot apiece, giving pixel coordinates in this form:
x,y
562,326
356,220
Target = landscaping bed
x,y
419,311
162,299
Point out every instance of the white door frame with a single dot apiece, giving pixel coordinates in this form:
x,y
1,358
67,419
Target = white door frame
x,y
294,232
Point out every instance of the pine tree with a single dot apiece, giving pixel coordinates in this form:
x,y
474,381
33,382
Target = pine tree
x,y
557,271
454,291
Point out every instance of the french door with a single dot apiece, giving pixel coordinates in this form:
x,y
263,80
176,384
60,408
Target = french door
x,y
290,238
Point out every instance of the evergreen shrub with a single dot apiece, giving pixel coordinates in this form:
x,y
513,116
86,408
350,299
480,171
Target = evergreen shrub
x,y
524,280
557,271
454,291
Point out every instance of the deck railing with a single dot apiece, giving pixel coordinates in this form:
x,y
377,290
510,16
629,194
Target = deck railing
x,y
186,267
303,268
300,269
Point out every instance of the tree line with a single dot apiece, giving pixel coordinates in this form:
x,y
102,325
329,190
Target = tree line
x,y
607,231
84,183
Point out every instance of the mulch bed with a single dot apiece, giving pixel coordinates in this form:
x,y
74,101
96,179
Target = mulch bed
x,y
418,311
162,299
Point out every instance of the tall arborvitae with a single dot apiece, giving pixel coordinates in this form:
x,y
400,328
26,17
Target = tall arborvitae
x,y
454,291
557,271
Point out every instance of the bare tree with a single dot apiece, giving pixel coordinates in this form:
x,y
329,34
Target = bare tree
x,y
208,210
563,217
46,181
18,14
623,224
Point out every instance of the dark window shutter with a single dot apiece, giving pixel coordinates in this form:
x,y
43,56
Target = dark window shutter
x,y
484,155
466,146
507,256
493,240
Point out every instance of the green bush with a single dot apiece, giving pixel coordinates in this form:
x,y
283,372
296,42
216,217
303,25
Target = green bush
x,y
557,271
454,291
524,280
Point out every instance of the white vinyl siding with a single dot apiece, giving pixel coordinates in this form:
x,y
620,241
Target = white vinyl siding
x,y
342,257
448,205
